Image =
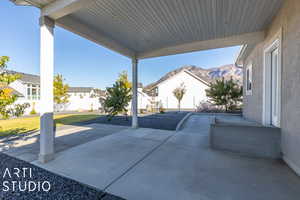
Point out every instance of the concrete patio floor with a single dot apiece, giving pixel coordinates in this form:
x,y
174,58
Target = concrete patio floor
x,y
26,147
157,164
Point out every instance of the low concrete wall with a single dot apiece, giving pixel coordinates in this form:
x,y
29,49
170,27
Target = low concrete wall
x,y
246,138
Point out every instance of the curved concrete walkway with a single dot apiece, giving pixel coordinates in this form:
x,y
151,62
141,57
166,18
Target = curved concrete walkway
x,y
155,164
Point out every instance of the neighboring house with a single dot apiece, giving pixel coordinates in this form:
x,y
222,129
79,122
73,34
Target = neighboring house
x,y
195,79
272,79
83,98
28,90
29,86
144,100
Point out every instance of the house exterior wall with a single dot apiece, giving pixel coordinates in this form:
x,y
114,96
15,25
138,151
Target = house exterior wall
x,y
82,101
253,103
288,22
21,87
143,99
76,103
195,92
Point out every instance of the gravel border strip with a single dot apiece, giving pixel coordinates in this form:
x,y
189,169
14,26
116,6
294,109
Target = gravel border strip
x,y
62,188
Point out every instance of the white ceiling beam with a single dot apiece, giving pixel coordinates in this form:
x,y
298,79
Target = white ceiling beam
x,y
91,34
61,8
247,38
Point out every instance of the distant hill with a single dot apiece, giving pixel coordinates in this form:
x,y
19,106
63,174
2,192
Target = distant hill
x,y
208,75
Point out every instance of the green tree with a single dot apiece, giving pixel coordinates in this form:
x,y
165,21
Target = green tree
x,y
7,96
227,94
60,90
123,77
118,96
179,93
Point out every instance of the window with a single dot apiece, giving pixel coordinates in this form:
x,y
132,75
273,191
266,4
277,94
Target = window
x,y
33,92
155,92
249,80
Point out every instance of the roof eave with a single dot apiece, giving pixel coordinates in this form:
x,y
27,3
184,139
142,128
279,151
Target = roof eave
x,y
241,54
25,3
244,53
196,77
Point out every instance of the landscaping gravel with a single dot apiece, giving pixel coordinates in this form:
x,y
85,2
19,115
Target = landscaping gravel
x,y
26,176
165,121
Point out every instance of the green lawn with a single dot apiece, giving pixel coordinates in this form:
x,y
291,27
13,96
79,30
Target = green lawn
x,y
21,125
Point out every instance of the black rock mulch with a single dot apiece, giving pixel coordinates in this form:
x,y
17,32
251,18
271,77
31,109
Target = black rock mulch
x,y
23,181
165,121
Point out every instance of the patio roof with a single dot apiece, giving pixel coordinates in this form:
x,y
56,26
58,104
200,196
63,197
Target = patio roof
x,y
143,29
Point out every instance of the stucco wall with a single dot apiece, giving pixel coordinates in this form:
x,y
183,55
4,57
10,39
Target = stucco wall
x,y
195,91
76,103
253,103
82,101
287,19
21,87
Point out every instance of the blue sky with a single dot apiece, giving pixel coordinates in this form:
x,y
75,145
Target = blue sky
x,y
81,62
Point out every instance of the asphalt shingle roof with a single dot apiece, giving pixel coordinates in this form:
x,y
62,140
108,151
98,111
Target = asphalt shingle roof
x,y
80,89
27,78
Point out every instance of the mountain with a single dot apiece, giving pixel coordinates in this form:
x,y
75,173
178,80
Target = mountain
x,y
208,75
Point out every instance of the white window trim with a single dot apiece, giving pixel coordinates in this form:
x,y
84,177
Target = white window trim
x,y
30,96
249,67
275,43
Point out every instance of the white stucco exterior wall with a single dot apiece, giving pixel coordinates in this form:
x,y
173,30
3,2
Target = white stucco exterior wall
x,y
287,23
195,91
82,101
76,103
21,88
143,99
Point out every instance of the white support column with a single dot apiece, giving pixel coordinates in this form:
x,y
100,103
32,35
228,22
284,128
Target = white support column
x,y
46,76
134,105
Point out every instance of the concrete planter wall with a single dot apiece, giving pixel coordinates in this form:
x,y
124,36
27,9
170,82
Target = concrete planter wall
x,y
246,138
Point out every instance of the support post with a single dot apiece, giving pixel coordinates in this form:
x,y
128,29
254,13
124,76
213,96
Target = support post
x,y
46,87
134,105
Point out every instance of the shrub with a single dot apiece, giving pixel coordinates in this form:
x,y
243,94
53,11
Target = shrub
x,y
205,106
33,112
161,109
227,94
19,109
118,97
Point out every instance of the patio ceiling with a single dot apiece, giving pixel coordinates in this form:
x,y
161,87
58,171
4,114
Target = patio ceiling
x,y
143,28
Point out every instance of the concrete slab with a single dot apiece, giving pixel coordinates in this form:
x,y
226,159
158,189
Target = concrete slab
x,y
147,133
27,147
185,168
172,172
190,140
153,164
98,163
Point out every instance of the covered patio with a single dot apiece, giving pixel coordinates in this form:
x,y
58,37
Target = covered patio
x,y
140,29
140,163
150,164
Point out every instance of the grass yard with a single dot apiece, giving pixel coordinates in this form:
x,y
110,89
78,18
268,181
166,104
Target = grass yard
x,y
21,125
